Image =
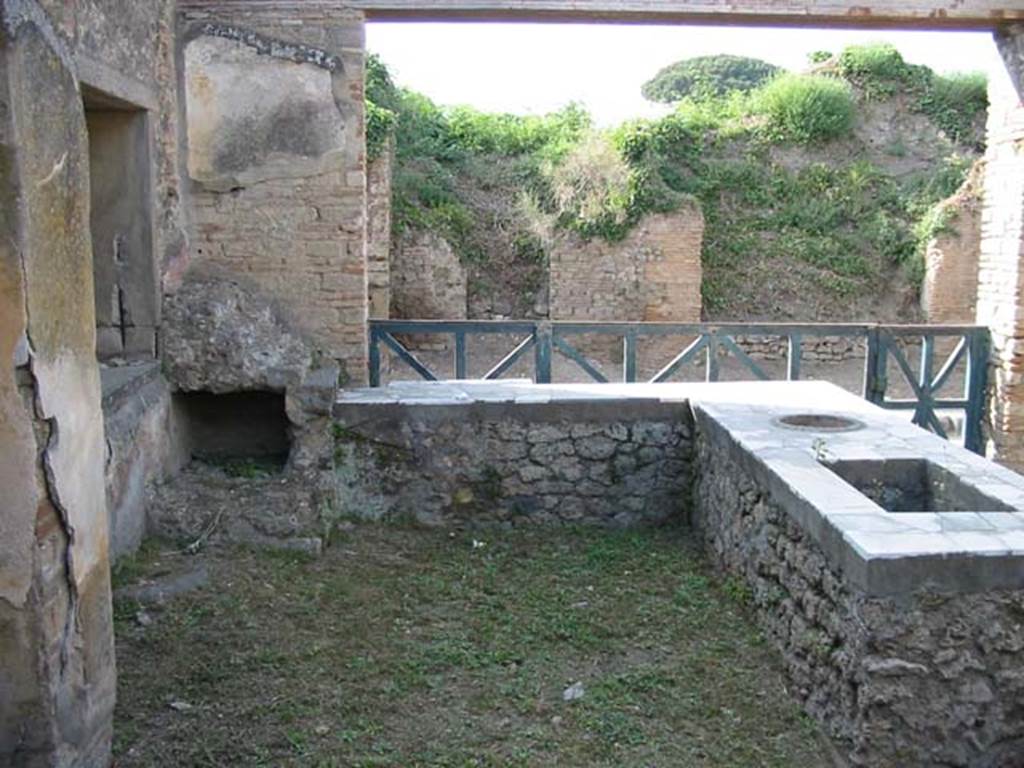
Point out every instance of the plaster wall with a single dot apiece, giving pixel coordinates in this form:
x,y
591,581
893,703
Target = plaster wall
x,y
126,284
56,634
147,441
125,50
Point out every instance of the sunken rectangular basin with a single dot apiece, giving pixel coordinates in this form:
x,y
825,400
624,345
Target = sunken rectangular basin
x,y
914,485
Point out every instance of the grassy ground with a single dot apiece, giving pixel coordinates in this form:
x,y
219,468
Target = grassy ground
x,y
405,647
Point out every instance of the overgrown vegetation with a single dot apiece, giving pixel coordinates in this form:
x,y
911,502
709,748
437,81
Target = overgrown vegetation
x,y
434,146
703,77
806,108
410,647
955,102
845,224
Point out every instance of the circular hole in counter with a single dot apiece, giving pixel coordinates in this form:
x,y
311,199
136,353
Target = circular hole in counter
x,y
819,422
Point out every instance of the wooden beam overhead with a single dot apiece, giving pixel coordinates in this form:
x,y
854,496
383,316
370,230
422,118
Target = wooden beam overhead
x,y
909,14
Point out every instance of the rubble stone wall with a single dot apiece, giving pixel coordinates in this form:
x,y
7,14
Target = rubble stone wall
x,y
523,464
926,679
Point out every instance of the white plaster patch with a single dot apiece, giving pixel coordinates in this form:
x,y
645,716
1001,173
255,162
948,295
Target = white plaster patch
x,y
253,117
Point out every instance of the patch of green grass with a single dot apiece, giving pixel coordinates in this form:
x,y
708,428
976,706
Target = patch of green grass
x,y
130,568
409,647
806,108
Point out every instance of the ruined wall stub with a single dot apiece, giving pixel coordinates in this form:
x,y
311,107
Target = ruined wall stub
x,y
1000,277
949,293
274,111
56,635
653,274
428,282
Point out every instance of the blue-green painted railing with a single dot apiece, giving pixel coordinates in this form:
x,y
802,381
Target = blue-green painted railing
x,y
546,338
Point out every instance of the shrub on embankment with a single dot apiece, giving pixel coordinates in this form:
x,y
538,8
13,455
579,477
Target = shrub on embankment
x,y
814,186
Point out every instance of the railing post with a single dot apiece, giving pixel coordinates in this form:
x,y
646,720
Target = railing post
x,y
793,360
977,391
373,359
542,352
711,372
629,356
874,367
925,410
460,354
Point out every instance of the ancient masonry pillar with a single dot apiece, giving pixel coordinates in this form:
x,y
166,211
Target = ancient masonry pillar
x,y
57,678
1000,272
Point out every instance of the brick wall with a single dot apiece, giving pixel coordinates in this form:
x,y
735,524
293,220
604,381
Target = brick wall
x,y
950,290
427,280
295,228
1002,247
378,231
652,274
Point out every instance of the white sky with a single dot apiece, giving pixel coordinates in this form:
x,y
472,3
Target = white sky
x,y
536,68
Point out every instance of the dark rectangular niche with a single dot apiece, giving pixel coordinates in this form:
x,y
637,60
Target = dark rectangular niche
x,y
914,485
237,426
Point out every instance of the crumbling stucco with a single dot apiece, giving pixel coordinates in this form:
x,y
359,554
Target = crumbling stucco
x,y
56,638
255,115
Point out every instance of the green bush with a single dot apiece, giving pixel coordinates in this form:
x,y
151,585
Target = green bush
x,y
873,62
514,135
380,124
806,108
382,105
847,223
380,88
705,77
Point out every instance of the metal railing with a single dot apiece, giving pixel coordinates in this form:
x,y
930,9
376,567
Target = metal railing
x,y
713,341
